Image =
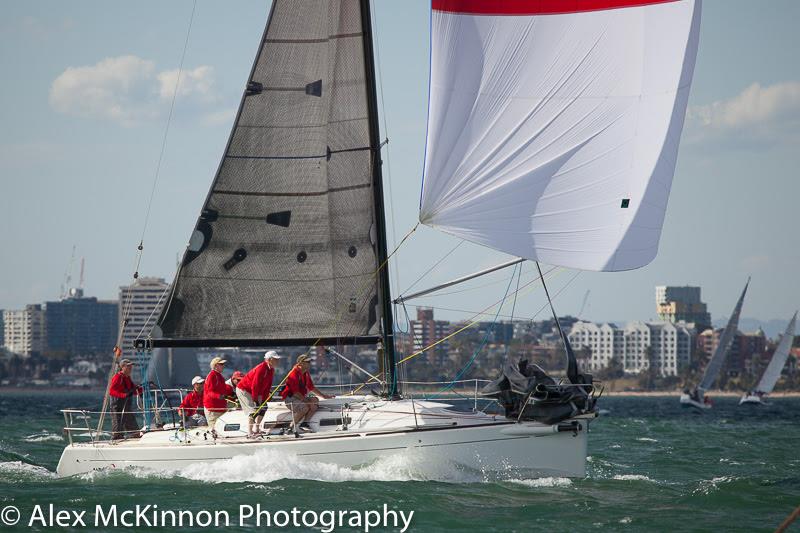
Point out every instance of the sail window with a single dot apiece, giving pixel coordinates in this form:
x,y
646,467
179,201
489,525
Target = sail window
x,y
280,218
314,88
352,251
238,256
254,88
625,203
301,257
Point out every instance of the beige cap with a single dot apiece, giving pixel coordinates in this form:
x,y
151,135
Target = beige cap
x,y
303,359
272,354
125,362
216,361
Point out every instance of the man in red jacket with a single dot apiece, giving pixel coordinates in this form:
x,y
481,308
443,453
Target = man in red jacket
x,y
297,394
253,391
215,392
122,389
191,405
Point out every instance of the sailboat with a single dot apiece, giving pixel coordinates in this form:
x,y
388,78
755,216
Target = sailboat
x,y
773,371
696,397
553,131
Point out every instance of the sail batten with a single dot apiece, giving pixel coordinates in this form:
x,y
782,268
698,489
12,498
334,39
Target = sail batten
x,y
553,125
286,248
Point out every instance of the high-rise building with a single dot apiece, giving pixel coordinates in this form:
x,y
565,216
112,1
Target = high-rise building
x,y
637,346
24,330
81,326
2,330
676,304
427,331
139,306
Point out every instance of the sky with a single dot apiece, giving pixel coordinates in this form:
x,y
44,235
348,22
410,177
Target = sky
x,y
86,94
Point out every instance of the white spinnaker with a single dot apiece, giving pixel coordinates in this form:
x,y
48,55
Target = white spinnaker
x,y
554,137
778,361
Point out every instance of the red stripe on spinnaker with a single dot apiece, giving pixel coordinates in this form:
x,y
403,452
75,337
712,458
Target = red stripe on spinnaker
x,y
535,7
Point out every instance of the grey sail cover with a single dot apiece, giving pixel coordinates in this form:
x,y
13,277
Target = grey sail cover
x,y
778,361
724,344
284,247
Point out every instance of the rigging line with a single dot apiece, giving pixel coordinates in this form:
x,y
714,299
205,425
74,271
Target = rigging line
x,y
467,326
153,312
376,38
126,308
463,328
489,331
445,256
169,121
489,284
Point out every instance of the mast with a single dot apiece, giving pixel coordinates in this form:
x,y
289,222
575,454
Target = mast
x,y
384,289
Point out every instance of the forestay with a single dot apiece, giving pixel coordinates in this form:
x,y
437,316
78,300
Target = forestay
x,y
554,125
285,246
778,361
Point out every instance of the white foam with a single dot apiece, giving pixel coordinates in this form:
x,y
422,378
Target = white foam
x,y
20,469
631,477
43,437
646,439
544,482
267,466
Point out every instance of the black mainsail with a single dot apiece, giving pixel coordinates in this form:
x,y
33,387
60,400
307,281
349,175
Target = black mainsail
x,y
290,246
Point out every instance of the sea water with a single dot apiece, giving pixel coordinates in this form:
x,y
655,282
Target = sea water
x,y
653,466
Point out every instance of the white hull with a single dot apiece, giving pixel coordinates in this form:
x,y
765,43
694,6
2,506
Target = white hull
x,y
475,441
688,401
751,399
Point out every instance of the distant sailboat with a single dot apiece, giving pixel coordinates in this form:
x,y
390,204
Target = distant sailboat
x,y
697,397
774,368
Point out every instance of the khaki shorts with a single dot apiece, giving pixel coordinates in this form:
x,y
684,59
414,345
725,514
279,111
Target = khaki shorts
x,y
246,401
211,417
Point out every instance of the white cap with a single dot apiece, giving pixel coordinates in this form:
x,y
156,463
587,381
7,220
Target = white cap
x,y
196,380
272,354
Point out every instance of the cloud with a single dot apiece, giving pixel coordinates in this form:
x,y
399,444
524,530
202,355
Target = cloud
x,y
127,90
758,116
197,83
216,118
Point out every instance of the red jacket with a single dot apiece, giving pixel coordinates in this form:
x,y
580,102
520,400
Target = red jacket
x,y
213,390
297,382
258,382
122,386
191,403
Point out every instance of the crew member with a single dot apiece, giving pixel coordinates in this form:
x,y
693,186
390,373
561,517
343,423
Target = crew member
x,y
122,390
253,391
234,380
297,394
216,393
190,408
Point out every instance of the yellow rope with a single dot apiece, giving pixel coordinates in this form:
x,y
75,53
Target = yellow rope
x,y
471,324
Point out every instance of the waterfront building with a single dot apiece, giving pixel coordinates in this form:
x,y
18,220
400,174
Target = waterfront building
x,y
81,326
676,304
426,331
638,346
24,330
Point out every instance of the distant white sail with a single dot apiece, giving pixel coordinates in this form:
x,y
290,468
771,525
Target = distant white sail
x,y
723,346
778,361
554,125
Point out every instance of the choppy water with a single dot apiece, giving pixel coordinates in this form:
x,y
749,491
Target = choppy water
x,y
652,467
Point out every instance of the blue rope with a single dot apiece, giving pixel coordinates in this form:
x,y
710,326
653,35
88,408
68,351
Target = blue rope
x,y
145,389
483,343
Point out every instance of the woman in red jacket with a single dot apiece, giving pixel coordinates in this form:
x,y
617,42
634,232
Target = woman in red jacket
x,y
122,389
216,392
253,391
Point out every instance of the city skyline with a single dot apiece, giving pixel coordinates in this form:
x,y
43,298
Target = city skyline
x,y
95,158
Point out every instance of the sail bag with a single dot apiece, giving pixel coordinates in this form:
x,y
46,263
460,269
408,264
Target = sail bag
x,y
553,125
